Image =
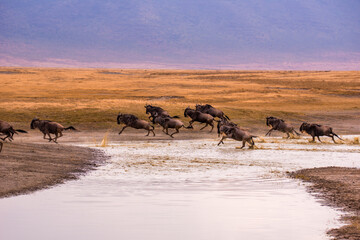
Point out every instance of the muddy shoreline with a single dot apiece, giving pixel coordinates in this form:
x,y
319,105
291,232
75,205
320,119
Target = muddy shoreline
x,y
340,188
28,167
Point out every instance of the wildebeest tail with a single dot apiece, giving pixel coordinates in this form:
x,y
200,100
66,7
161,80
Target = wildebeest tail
x,y
336,135
20,130
175,116
227,117
70,128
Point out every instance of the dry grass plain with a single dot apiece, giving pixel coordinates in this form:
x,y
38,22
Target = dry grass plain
x,y
93,97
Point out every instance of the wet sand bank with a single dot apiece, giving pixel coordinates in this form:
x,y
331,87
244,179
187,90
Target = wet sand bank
x,y
340,188
27,167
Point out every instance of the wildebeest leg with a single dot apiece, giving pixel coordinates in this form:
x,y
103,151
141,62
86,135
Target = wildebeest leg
x,y
48,135
221,141
243,144
1,145
5,138
293,131
190,124
313,140
56,137
204,126
333,138
288,135
212,126
177,131
251,143
122,129
269,132
319,139
50,139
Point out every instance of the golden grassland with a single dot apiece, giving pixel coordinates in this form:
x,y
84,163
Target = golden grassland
x,y
93,97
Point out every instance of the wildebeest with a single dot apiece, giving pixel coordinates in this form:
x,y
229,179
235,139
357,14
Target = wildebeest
x,y
238,134
156,111
207,108
48,127
168,122
280,125
197,116
316,130
8,130
131,120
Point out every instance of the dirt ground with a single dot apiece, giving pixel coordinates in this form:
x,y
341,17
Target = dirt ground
x,y
27,167
339,187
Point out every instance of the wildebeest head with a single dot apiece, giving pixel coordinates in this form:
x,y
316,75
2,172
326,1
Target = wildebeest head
x,y
304,126
186,111
198,107
269,120
148,108
119,118
34,123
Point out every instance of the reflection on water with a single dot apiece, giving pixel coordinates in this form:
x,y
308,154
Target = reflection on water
x,y
184,190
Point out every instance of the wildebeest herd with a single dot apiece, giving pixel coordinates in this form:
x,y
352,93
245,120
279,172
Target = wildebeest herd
x,y
205,114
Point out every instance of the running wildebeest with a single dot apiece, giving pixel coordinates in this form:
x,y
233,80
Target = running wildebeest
x,y
8,130
157,111
280,125
316,130
238,134
197,116
132,121
49,127
168,122
207,108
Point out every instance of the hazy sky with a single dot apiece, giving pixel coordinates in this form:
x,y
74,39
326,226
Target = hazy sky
x,y
263,34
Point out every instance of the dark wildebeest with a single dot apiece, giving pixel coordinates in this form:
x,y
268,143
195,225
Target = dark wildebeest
x,y
8,130
49,127
316,130
207,108
168,122
224,124
197,116
132,121
157,111
280,125
237,134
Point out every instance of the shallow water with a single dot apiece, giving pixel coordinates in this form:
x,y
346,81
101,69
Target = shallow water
x,y
184,189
